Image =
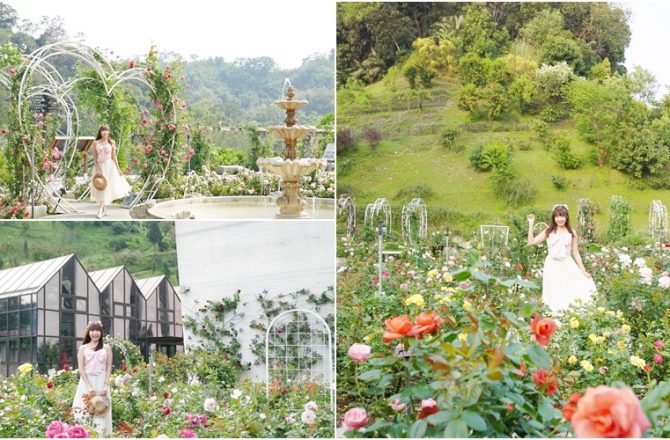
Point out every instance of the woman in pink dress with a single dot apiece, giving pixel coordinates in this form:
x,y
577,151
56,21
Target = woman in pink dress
x,y
564,277
106,163
95,368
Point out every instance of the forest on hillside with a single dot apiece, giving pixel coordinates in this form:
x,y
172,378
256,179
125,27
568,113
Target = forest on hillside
x,y
549,62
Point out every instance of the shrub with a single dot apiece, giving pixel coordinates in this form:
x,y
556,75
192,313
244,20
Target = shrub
x,y
372,136
229,156
559,182
564,156
525,145
117,245
345,139
448,139
543,134
409,192
411,73
509,188
491,156
426,76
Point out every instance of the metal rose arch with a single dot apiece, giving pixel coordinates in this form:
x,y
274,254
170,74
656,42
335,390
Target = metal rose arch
x,y
40,77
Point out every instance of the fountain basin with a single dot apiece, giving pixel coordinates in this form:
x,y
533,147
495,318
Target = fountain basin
x,y
291,104
290,169
237,207
291,134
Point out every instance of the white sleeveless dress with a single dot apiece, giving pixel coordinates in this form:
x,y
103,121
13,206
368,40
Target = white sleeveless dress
x,y
117,186
95,365
562,280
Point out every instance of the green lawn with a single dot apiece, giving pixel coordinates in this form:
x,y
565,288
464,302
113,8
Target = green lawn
x,y
406,158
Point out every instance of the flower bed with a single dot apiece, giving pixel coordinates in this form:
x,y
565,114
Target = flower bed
x,y
169,403
465,348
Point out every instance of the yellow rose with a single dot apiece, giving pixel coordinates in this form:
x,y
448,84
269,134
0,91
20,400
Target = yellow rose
x,y
638,362
467,305
611,352
619,314
442,299
609,313
586,365
606,334
463,337
572,360
25,368
432,273
574,323
593,338
448,278
367,338
625,329
416,299
621,345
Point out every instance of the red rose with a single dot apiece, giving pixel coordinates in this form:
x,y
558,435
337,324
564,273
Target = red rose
x,y
428,407
545,382
166,410
543,329
50,384
131,64
166,395
283,390
3,131
397,328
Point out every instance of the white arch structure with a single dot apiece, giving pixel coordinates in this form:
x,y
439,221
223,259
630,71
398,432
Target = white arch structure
x,y
42,78
381,206
346,205
658,220
317,339
414,220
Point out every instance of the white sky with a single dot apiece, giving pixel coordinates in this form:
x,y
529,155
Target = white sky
x,y
286,30
650,36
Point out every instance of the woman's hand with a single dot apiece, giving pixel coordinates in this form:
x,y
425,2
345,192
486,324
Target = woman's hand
x,y
586,274
531,219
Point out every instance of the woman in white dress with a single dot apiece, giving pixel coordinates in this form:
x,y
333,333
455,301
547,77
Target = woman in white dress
x,y
106,163
95,368
564,277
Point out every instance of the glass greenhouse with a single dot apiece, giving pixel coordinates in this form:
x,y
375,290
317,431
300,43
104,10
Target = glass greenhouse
x,y
45,307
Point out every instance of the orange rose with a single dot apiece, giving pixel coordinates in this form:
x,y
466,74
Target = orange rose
x,y
543,329
545,382
397,328
426,323
609,412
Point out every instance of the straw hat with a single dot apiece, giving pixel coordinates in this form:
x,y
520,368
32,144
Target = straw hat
x,y
99,406
99,182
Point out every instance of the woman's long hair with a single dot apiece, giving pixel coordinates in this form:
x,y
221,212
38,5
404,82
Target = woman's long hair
x,y
563,211
100,130
94,326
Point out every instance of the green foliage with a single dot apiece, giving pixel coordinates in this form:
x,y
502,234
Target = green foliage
x,y
586,213
480,34
491,156
559,182
202,148
257,148
619,218
410,72
228,156
513,191
426,76
488,102
543,134
642,155
564,156
416,191
449,138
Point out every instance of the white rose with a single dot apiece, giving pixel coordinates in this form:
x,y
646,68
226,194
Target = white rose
x,y
236,394
210,404
308,417
311,406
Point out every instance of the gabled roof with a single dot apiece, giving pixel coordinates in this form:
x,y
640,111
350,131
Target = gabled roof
x,y
103,277
148,285
29,277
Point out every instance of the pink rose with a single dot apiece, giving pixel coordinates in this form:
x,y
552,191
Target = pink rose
x,y
187,433
359,352
659,344
131,64
397,406
355,418
61,435
171,127
77,431
56,427
609,412
658,358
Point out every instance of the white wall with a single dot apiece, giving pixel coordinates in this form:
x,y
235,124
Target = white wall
x,y
218,257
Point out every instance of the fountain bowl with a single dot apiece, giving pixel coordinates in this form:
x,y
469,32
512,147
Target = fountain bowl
x,y
237,208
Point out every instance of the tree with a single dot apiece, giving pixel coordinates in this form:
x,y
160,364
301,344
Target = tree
x,y
599,109
258,148
201,150
155,236
642,155
480,34
8,16
410,73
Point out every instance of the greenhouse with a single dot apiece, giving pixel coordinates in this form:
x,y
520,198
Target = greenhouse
x,y
45,307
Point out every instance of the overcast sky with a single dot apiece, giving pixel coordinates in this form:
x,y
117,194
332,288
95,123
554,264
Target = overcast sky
x,y
650,36
287,30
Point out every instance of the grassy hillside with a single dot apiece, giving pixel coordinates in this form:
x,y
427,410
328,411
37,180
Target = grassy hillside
x,y
410,154
96,244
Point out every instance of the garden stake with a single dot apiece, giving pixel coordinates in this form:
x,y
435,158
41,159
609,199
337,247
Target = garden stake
x,y
380,235
446,246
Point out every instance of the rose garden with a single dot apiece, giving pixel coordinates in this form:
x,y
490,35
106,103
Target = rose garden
x,y
449,338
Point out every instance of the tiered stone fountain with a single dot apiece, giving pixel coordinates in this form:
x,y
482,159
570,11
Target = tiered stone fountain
x,y
290,168
292,205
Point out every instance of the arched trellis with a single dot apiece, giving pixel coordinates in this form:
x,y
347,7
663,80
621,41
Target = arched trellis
x,y
381,206
658,220
494,238
41,78
414,220
299,348
345,204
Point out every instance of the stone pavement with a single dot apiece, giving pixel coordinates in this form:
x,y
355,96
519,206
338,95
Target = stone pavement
x,y
89,210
